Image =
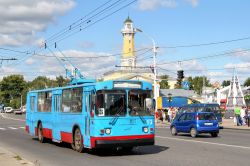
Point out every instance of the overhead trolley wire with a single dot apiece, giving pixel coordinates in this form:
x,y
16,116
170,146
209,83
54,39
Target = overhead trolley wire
x,y
205,57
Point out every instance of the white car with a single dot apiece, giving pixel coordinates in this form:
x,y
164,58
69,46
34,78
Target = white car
x,y
8,109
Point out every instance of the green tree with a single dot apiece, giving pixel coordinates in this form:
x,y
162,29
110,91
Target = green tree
x,y
196,83
12,88
41,82
225,83
61,81
247,82
164,82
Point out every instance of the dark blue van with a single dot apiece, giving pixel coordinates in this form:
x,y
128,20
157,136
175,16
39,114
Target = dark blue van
x,y
201,107
195,123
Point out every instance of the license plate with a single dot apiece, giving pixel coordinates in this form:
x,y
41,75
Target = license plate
x,y
208,124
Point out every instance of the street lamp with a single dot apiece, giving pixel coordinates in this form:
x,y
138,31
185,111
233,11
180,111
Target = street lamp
x,y
154,65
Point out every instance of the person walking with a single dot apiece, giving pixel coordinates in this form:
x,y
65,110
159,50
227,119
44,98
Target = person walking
x,y
170,114
243,115
237,115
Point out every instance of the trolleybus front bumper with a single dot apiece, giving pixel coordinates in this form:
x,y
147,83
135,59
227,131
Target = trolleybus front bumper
x,y
122,141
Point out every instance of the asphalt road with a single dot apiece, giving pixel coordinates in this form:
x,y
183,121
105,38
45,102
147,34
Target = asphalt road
x,y
231,148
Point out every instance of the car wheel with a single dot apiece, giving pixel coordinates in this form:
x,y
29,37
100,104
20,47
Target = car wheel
x,y
193,132
173,130
78,141
214,134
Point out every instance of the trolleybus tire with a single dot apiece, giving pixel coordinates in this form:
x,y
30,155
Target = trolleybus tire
x,y
78,141
40,133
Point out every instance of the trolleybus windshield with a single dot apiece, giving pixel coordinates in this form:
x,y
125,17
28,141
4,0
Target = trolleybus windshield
x,y
111,103
137,103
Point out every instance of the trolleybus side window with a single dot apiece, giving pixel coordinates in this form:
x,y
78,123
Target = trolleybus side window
x,y
137,102
32,103
111,103
44,101
72,100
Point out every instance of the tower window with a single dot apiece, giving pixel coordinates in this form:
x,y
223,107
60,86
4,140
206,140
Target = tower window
x,y
129,49
129,41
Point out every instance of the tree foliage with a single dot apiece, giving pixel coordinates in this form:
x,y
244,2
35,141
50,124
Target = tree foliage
x,y
14,87
225,83
196,83
164,82
247,82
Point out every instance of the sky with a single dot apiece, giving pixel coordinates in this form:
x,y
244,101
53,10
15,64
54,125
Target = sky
x,y
89,34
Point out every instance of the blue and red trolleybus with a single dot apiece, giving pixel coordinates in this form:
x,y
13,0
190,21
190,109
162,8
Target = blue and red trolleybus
x,y
93,114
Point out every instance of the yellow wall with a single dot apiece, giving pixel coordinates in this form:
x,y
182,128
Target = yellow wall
x,y
126,45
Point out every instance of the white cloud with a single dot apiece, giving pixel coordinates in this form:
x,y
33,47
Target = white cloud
x,y
155,4
90,67
21,20
243,55
240,67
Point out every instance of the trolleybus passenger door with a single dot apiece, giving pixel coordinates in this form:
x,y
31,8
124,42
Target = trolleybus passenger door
x,y
57,102
87,119
30,115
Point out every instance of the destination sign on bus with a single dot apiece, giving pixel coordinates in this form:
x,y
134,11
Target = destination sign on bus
x,y
135,85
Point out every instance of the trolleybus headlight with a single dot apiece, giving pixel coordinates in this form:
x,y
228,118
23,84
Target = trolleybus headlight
x,y
145,129
108,131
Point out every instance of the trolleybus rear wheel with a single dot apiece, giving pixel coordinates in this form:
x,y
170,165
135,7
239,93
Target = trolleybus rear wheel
x,y
40,133
78,141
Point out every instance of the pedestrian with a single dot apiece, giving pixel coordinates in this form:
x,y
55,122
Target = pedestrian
x,y
163,116
169,115
243,115
237,115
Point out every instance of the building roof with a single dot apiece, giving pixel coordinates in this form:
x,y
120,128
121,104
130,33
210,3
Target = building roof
x,y
128,20
177,92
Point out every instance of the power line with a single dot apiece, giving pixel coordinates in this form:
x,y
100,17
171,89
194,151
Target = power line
x,y
206,44
106,16
205,57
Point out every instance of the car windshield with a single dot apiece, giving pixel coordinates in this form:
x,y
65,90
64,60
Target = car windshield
x,y
206,116
136,102
111,103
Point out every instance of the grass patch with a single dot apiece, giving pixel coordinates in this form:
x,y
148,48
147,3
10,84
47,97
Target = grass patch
x,y
18,157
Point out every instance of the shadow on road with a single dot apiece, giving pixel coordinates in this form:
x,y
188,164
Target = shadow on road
x,y
142,150
183,135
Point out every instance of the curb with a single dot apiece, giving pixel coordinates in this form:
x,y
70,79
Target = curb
x,y
231,128
15,159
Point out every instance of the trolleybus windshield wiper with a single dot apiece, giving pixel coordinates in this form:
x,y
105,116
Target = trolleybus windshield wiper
x,y
141,117
114,119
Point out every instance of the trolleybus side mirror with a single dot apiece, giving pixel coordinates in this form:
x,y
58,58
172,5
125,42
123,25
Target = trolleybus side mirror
x,y
149,103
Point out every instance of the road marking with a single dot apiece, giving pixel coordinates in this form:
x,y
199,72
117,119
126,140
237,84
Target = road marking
x,y
2,128
13,128
204,142
22,120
